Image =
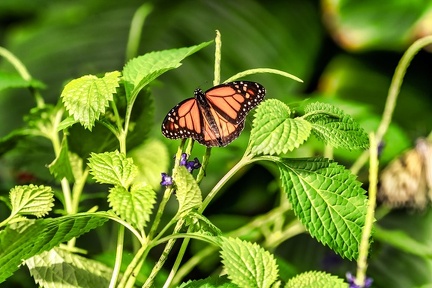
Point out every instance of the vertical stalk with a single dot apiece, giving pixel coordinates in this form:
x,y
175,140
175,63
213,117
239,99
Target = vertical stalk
x,y
370,214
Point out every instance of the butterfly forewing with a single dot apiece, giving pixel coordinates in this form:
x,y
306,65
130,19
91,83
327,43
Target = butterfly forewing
x,y
235,99
184,121
216,117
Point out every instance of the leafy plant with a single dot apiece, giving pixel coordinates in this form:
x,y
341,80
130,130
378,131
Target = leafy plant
x,y
100,132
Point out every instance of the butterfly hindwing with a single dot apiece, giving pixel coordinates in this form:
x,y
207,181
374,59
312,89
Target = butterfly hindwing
x,y
216,117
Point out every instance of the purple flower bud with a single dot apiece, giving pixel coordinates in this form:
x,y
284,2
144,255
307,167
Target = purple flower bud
x,y
183,159
166,180
192,165
351,281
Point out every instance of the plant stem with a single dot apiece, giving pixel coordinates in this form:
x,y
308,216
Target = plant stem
x,y
243,162
217,70
136,28
392,95
163,258
367,229
22,70
135,265
118,259
262,70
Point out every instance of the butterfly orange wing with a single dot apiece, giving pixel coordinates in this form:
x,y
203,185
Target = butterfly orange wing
x,y
234,100
216,117
185,120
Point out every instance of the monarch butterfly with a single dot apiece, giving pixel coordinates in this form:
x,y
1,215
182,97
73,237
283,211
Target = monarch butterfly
x,y
215,117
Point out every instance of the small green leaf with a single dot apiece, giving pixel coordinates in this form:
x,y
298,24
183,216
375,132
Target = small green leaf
x,y
151,158
66,123
248,264
31,200
14,80
112,168
86,98
29,238
316,279
199,223
188,192
141,70
9,142
210,282
274,132
60,268
331,125
328,200
134,207
61,166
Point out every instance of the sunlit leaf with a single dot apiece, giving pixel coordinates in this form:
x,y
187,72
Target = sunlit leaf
x,y
328,200
248,264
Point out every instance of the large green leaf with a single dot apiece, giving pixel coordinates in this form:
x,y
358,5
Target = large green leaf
x,y
61,268
328,201
141,70
29,238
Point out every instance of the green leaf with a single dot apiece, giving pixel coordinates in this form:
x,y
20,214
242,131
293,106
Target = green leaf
x,y
151,158
210,282
248,264
112,168
316,279
134,207
331,125
66,123
29,238
86,98
58,267
31,200
274,132
10,141
14,80
61,166
188,192
140,71
199,223
328,200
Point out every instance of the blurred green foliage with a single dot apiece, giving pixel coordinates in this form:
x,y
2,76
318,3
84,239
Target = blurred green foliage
x,y
345,51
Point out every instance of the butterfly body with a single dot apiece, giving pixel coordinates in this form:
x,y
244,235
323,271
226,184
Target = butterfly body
x,y
215,117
